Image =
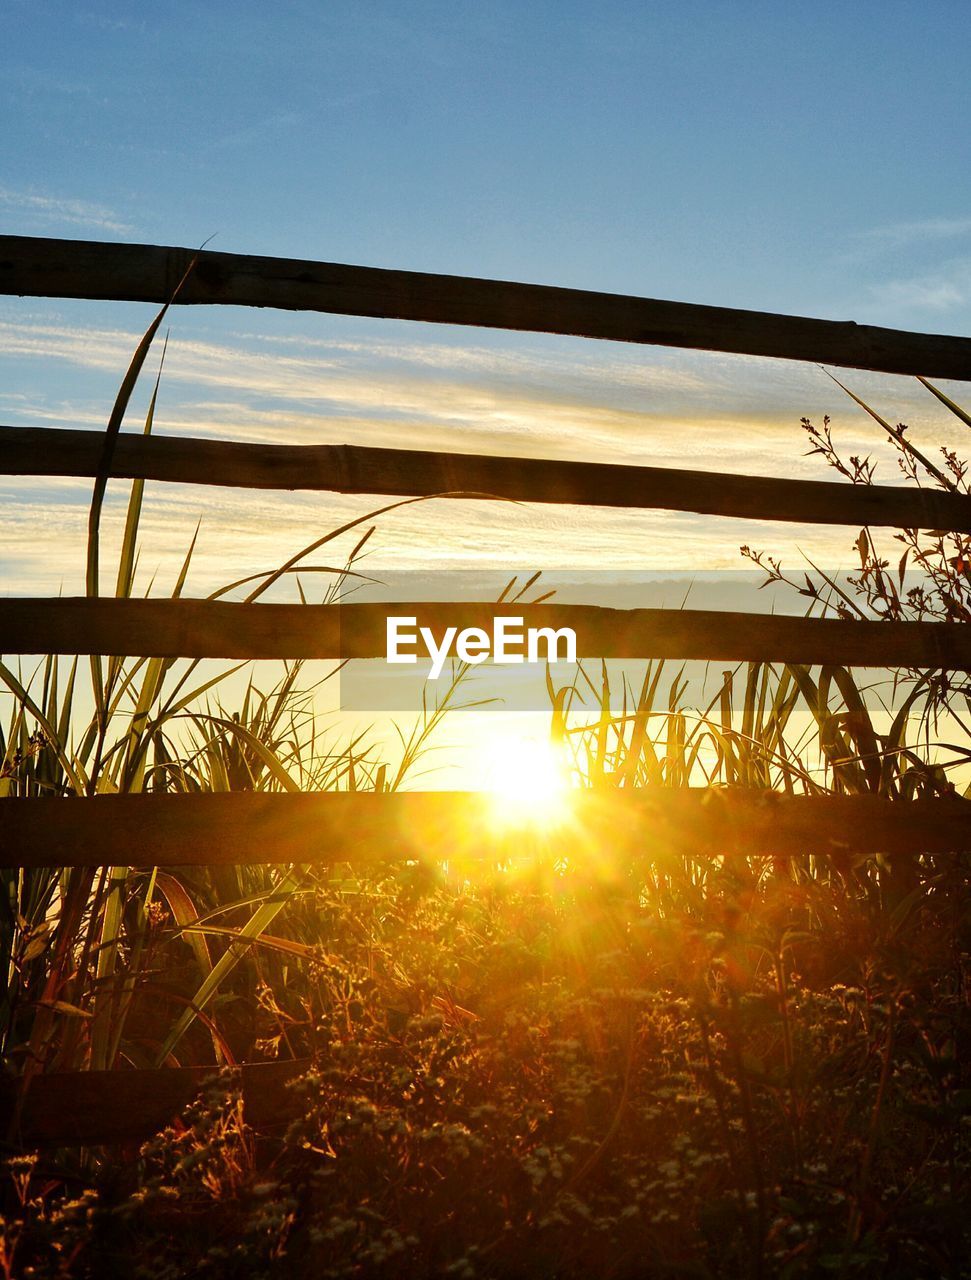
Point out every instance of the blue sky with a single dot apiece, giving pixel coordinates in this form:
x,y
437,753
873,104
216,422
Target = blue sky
x,y
807,159
811,158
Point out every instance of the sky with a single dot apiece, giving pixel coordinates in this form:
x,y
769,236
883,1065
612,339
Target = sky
x,y
806,159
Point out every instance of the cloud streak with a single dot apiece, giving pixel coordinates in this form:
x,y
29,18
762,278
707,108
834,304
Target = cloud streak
x,y
44,210
246,532
940,290
899,234
690,409
550,398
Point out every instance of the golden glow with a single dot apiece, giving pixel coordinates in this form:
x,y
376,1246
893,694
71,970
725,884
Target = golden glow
x,y
526,777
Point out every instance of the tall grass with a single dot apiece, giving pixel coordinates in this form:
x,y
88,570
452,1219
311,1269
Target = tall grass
x,y
84,948
695,1066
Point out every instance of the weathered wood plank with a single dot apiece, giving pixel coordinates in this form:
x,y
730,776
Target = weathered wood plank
x,y
410,472
39,267
364,828
218,629
94,1107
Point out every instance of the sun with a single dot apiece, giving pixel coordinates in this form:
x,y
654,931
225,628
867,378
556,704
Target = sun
x,y
526,778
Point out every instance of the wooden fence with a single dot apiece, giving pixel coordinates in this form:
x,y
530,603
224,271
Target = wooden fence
x,y
149,830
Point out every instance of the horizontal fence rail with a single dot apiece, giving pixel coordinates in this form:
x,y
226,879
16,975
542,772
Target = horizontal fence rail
x,y
37,267
219,629
93,1107
342,468
367,827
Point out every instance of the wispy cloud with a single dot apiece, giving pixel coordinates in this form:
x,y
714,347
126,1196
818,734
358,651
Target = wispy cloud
x,y
686,409
247,532
896,235
942,289
101,22
44,210
396,378
260,130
